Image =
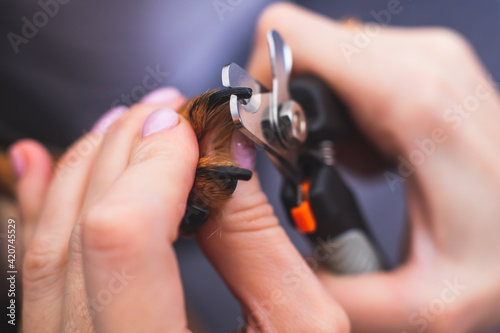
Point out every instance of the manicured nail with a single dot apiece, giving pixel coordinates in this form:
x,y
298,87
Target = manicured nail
x,y
159,120
17,161
243,150
162,95
107,119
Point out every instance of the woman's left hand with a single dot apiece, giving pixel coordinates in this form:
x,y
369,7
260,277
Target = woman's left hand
x,y
100,256
100,227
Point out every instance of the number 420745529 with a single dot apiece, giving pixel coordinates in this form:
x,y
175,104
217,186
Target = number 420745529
x,y
11,249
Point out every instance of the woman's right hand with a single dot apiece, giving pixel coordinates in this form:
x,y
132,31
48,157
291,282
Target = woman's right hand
x,y
425,101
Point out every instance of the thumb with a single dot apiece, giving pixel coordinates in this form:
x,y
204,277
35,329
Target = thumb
x,y
253,254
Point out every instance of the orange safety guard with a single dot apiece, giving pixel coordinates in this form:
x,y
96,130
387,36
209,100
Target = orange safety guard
x,y
303,215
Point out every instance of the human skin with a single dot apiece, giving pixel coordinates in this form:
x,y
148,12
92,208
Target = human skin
x,y
100,227
121,206
409,86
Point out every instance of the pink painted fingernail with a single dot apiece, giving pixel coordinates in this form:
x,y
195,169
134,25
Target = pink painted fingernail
x,y
160,120
243,150
17,161
106,120
162,95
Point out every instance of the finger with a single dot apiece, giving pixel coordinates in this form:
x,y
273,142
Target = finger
x,y
121,127
415,297
398,108
114,154
127,236
45,260
283,17
375,302
111,160
390,113
267,274
259,263
44,268
71,182
318,50
33,167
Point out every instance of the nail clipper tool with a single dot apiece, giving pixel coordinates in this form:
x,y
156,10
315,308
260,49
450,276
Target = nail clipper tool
x,y
297,124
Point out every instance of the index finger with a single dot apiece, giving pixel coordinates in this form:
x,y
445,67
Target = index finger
x,y
128,234
393,85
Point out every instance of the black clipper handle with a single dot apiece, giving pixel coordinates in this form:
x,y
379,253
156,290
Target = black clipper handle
x,y
327,116
341,235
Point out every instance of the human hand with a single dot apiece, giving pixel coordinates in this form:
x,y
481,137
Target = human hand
x,y
100,229
246,244
424,100
100,255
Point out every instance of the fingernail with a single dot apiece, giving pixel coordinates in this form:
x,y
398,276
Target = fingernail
x,y
162,95
17,161
107,119
159,120
243,150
